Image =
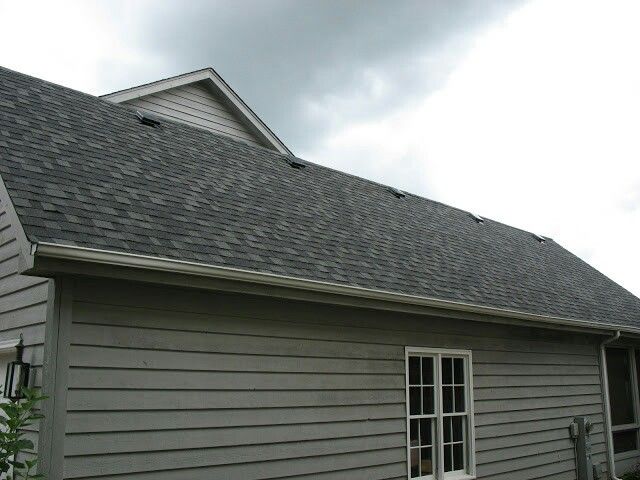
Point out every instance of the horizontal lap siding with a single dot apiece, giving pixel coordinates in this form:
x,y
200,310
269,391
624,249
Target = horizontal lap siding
x,y
196,106
23,304
183,384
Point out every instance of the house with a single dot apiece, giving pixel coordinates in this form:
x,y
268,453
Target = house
x,y
198,303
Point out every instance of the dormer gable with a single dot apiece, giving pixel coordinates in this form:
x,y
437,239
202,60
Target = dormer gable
x,y
204,100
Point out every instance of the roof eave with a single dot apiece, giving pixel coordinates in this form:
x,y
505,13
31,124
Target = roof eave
x,y
129,260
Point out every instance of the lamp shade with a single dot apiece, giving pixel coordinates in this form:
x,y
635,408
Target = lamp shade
x,y
17,376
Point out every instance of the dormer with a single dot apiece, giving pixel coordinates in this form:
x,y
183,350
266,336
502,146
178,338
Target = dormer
x,y
204,100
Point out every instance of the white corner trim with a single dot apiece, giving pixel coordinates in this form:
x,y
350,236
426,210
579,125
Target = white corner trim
x,y
106,257
7,346
232,98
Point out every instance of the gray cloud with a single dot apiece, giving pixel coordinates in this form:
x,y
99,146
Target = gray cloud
x,y
279,53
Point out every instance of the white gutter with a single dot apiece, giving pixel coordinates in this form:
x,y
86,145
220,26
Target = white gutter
x,y
106,257
607,406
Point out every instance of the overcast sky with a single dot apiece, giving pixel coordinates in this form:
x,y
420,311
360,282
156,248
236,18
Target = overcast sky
x,y
524,111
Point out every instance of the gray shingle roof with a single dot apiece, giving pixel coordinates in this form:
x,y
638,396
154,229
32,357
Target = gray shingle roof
x,y
82,171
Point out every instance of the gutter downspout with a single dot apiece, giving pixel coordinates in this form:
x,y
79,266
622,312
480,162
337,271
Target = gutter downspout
x,y
607,406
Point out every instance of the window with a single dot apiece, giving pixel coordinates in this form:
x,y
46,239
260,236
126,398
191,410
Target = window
x,y
623,370
440,435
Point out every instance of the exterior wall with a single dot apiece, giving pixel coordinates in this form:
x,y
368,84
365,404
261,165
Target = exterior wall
x,y
172,384
23,300
195,105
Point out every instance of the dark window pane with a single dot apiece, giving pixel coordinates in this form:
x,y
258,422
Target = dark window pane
x,y
620,396
446,427
414,460
426,464
447,399
414,400
447,458
458,370
427,371
413,433
447,370
459,392
425,432
458,457
637,352
414,370
624,441
427,400
457,428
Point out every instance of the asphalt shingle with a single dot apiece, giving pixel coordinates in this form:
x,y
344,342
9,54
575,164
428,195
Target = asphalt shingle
x,y
82,171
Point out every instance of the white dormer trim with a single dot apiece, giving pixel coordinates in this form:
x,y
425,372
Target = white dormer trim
x,y
214,81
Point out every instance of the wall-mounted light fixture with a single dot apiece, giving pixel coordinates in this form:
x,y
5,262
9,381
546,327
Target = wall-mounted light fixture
x,y
17,375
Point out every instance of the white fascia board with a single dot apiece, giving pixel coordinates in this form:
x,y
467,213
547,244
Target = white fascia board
x,y
106,257
154,87
233,100
246,112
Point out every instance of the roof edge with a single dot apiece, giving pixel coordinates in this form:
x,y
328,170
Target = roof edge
x,y
21,238
218,83
120,259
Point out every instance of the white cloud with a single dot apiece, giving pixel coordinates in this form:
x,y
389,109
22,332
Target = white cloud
x,y
538,127
73,43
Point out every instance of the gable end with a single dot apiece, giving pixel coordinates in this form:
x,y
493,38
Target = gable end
x,y
204,100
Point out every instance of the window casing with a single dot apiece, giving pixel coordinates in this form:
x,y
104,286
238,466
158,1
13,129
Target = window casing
x,y
440,426
623,372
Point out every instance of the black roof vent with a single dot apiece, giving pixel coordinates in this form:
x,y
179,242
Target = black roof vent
x,y
295,162
540,238
477,218
397,193
148,119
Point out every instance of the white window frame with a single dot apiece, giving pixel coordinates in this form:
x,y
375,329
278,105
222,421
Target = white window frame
x,y
438,353
635,426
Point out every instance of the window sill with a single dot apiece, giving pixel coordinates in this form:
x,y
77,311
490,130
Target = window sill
x,y
625,455
460,476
